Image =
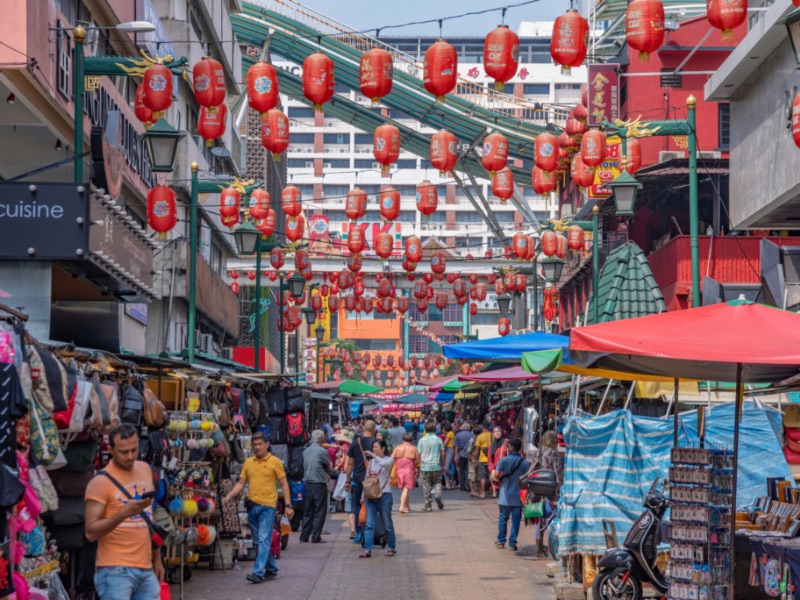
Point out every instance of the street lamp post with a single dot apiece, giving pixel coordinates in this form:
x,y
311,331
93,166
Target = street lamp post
x,y
248,241
595,261
319,332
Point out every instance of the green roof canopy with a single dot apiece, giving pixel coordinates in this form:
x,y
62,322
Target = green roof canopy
x,y
351,386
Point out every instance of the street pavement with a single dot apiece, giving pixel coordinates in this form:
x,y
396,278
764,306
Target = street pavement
x,y
441,554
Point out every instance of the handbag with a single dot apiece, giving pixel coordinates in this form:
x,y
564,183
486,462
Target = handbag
x,y
44,488
12,489
393,476
371,484
158,533
533,510
339,492
45,444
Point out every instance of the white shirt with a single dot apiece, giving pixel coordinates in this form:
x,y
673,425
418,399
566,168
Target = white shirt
x,y
382,467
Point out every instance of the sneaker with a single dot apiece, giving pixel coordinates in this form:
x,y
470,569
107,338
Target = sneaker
x,y
270,575
357,539
427,509
499,546
440,504
512,548
253,578
352,535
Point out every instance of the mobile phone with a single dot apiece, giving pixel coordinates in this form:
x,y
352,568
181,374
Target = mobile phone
x,y
148,495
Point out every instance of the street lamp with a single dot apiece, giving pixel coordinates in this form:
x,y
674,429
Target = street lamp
x,y
552,268
297,284
792,23
504,303
310,314
161,142
246,237
625,187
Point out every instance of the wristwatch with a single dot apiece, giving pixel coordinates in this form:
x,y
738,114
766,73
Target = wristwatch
x,y
289,506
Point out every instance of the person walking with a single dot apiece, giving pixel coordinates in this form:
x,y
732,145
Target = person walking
x,y
482,444
431,450
396,433
379,465
127,567
317,468
262,473
461,442
356,470
449,453
497,451
473,462
407,460
508,471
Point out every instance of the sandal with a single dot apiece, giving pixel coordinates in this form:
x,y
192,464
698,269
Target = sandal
x,y
391,552
365,555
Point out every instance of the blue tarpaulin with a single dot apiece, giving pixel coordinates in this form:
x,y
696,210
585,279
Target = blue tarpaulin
x,y
612,460
506,349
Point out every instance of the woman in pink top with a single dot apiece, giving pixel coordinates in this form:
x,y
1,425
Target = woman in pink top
x,y
407,459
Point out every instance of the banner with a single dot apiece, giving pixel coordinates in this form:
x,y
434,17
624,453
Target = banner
x,y
608,170
603,94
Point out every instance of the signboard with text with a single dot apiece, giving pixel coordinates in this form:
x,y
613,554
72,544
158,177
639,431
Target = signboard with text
x,y
608,170
604,93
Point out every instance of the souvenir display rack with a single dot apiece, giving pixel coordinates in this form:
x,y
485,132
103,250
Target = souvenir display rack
x,y
699,530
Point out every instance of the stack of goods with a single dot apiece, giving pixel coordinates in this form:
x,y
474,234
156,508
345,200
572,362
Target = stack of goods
x,y
791,428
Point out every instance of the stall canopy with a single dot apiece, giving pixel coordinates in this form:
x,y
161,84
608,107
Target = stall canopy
x,y
452,385
412,399
515,373
349,386
506,349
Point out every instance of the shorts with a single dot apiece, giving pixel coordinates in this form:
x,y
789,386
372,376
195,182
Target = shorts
x,y
473,472
483,470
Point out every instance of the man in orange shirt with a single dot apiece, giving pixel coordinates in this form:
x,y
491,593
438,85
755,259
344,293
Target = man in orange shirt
x,y
127,568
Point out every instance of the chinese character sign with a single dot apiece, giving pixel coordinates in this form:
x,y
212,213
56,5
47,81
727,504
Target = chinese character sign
x,y
608,170
603,94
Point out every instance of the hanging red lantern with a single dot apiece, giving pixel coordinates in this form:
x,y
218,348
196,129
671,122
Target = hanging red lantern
x,y
229,206
316,302
427,199
333,304
376,361
545,151
427,277
544,182
575,237
491,278
143,113
262,88
402,307
508,251
208,78
480,292
473,309
548,306
318,79
644,27
510,282
354,263
568,43
420,289
409,267
295,227
503,184
375,74
267,225
413,249
365,358
504,326
346,279
355,239
162,210
386,146
462,300
438,262
580,112
443,151
726,16
531,254
251,275
495,153
258,204
422,305
549,242
459,288
234,275
575,129
324,289
385,305
235,287
390,361
389,203
451,277
581,173
634,157
593,147
350,302
291,201
520,245
385,288
440,69
302,260
157,82
473,294
369,305
568,143
522,282
501,55
561,246
276,260
275,133
356,204
384,245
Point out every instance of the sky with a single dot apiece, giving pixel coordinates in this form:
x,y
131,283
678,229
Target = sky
x,y
365,15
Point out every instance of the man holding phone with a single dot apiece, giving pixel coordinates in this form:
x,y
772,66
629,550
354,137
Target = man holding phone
x,y
127,567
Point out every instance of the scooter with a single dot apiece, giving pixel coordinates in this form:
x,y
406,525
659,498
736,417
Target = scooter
x,y
621,571
543,485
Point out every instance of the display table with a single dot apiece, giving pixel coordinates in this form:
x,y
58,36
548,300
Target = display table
x,y
786,550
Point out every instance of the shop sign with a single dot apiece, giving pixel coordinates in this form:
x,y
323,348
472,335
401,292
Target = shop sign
x,y
137,311
43,221
603,94
608,170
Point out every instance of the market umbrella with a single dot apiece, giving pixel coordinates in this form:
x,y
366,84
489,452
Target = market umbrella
x,y
515,373
351,386
451,385
734,341
412,399
506,349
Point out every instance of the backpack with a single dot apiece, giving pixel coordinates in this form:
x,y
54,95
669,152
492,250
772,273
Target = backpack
x,y
298,491
276,403
295,470
295,402
277,430
296,428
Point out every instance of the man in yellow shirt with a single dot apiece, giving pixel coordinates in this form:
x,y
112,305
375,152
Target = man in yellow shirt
x,y
482,444
262,473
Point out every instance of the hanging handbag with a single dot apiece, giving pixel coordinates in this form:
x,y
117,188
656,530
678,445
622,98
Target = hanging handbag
x,y
11,488
45,445
44,488
533,510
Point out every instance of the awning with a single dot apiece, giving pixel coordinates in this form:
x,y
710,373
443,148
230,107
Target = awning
x,y
450,385
349,386
515,373
506,349
412,399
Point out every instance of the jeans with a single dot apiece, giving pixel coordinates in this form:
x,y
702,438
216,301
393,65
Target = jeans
x,y
355,502
431,480
262,520
383,506
463,473
448,461
315,505
126,583
515,512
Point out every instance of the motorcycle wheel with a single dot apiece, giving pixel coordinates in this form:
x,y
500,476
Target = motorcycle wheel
x,y
608,586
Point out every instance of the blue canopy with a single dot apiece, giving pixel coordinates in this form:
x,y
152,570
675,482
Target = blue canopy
x,y
442,397
416,398
506,349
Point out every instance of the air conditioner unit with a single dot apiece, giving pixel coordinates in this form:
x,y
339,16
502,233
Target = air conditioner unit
x,y
227,353
372,200
309,151
342,150
330,125
309,164
340,201
376,165
328,150
424,227
710,154
326,165
665,155
206,341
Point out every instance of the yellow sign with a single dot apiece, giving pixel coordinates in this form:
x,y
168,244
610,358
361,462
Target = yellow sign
x,y
608,170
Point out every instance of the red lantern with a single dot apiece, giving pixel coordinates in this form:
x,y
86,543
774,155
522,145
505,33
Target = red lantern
x,y
386,146
409,267
567,142
229,206
413,249
520,245
251,275
644,27
427,199
580,112
473,309
495,153
459,288
575,128
575,237
354,263
522,282
301,259
318,79
162,212
549,242
420,289
422,305
234,274
385,288
726,15
369,305
355,239
444,151
501,55
324,289
503,184
356,204
258,203
440,69
504,326
480,292
635,154
384,244
390,361
544,182
390,203
267,225
568,44
491,278
376,73
438,262
561,246
548,308
276,258
316,302
208,78
143,113
295,226
531,250
510,282
345,279
593,147
275,133
307,274
235,287
157,82
545,151
262,88
427,277
581,173
291,201
473,294
402,308
333,304
350,302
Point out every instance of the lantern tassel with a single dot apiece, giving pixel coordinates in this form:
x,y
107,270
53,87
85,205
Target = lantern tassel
x,y
644,57
276,156
210,143
565,70
162,236
727,34
440,99
499,86
385,169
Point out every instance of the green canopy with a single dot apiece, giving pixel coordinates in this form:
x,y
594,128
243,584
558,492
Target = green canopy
x,y
454,385
351,386
542,361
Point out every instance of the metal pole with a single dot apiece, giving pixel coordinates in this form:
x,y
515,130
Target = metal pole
x,y
603,399
192,260
675,413
737,417
79,35
319,363
596,261
280,322
257,336
535,294
694,217
297,356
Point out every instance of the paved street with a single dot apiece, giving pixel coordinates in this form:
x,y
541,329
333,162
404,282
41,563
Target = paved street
x,y
443,554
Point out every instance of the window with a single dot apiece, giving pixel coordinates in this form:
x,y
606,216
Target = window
x,y
300,112
406,164
337,139
364,138
407,216
508,88
453,313
436,348
335,191
539,89
417,316
440,216
504,217
724,126
306,190
363,164
417,344
371,190
300,163
337,163
336,215
434,314
372,216
64,71
301,138
568,86
485,318
467,189
468,217
341,89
